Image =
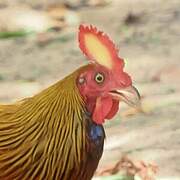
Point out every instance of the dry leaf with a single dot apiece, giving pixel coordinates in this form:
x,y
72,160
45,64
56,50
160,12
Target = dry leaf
x,y
129,167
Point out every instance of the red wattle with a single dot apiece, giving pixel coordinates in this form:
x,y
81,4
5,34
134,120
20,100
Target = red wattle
x,y
114,109
102,108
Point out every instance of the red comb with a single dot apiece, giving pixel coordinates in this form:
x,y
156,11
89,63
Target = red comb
x,y
98,47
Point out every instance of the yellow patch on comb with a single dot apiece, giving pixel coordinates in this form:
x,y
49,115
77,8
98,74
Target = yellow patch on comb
x,y
98,50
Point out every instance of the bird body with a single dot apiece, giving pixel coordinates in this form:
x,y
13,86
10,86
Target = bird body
x,y
58,133
34,139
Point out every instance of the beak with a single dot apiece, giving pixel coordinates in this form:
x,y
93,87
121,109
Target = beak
x,y
129,95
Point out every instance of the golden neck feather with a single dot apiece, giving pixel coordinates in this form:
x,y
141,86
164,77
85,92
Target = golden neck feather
x,y
46,127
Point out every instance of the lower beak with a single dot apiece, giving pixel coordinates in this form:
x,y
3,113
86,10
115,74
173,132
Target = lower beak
x,y
129,95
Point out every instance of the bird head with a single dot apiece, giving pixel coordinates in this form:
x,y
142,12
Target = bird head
x,y
103,83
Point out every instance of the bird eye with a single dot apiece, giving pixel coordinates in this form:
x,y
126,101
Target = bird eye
x,y
99,78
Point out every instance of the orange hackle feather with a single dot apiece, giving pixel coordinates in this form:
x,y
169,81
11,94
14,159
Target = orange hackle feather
x,y
99,48
43,137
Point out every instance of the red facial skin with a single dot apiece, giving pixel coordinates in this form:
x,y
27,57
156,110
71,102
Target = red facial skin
x,y
98,100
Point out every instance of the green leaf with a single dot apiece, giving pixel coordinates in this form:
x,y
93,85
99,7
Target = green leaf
x,y
12,34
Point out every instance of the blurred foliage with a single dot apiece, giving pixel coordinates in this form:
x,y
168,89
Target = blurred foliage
x,y
15,34
115,177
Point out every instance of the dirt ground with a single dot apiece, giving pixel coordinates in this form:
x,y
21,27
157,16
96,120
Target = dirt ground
x,y
148,34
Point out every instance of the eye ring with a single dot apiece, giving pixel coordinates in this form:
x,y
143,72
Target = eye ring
x,y
99,78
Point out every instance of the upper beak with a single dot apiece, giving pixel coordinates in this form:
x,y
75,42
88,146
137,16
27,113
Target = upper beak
x,y
129,95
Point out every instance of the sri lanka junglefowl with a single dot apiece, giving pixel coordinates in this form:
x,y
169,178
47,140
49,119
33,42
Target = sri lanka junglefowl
x,y
58,133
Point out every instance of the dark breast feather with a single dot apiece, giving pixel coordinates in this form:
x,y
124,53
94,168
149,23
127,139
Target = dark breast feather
x,y
95,136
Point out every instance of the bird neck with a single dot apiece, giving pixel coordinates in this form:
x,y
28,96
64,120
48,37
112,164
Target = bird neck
x,y
60,108
50,124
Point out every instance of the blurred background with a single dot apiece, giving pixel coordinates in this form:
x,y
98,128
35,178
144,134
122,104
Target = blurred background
x,y
38,46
